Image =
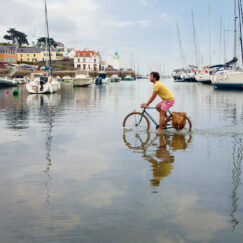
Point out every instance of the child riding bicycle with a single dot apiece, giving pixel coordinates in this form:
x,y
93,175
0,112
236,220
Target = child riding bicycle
x,y
168,100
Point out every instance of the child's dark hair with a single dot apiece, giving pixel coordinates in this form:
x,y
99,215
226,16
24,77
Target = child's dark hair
x,y
156,75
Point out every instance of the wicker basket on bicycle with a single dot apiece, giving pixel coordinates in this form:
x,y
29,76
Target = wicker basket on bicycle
x,y
178,120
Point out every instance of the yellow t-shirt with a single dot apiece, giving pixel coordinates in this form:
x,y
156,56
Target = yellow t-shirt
x,y
163,91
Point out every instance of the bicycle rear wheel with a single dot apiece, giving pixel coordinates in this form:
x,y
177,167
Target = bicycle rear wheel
x,y
136,121
188,126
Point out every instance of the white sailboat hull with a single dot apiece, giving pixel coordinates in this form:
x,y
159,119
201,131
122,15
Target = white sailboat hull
x,y
228,79
47,88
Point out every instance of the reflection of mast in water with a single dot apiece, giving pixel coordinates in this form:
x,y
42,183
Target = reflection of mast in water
x,y
49,111
236,173
48,159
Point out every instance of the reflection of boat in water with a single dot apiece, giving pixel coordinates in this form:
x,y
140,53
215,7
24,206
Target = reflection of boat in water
x,y
38,99
160,157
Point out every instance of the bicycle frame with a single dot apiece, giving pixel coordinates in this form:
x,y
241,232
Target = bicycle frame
x,y
151,118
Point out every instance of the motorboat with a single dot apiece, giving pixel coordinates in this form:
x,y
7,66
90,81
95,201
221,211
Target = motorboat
x,y
102,79
129,78
115,78
140,77
206,75
185,74
82,79
8,82
67,79
59,79
203,77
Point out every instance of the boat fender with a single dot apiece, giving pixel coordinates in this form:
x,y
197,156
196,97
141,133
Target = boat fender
x,y
15,92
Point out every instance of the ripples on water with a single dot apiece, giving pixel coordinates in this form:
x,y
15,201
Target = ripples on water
x,y
70,173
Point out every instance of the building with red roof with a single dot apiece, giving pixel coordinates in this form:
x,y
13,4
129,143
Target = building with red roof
x,y
88,60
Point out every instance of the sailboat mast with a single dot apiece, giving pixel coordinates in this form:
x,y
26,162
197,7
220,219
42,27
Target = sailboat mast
x,y
240,25
46,36
224,47
220,39
183,61
235,33
195,40
209,14
48,39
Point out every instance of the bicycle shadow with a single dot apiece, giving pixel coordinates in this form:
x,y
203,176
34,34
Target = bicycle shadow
x,y
158,150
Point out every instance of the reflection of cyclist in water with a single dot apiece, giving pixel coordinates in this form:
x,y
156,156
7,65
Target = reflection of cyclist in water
x,y
161,159
162,163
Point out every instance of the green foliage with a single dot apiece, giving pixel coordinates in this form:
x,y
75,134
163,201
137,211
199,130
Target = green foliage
x,y
42,42
15,35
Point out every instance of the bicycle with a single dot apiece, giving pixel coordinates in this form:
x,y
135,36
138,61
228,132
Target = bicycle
x,y
141,120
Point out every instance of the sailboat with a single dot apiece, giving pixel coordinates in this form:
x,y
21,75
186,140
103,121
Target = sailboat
x,y
44,84
231,78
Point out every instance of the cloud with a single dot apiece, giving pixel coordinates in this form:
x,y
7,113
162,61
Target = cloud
x,y
164,17
143,2
103,196
188,216
82,20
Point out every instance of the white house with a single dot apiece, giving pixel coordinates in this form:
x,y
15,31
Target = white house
x,y
69,53
88,60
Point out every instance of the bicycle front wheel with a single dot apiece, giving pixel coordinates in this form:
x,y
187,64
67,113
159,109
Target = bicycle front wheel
x,y
136,121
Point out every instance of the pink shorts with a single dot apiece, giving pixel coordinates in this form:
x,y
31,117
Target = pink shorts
x,y
165,105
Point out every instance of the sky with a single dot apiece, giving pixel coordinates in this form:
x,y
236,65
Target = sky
x,y
142,31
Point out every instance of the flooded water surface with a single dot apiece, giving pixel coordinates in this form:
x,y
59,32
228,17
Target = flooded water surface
x,y
70,173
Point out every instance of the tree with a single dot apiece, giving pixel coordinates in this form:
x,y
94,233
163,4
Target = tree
x,y
15,35
42,41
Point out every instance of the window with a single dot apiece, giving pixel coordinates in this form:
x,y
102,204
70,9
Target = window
x,y
78,54
94,60
21,55
34,55
84,66
78,59
84,55
84,60
21,59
